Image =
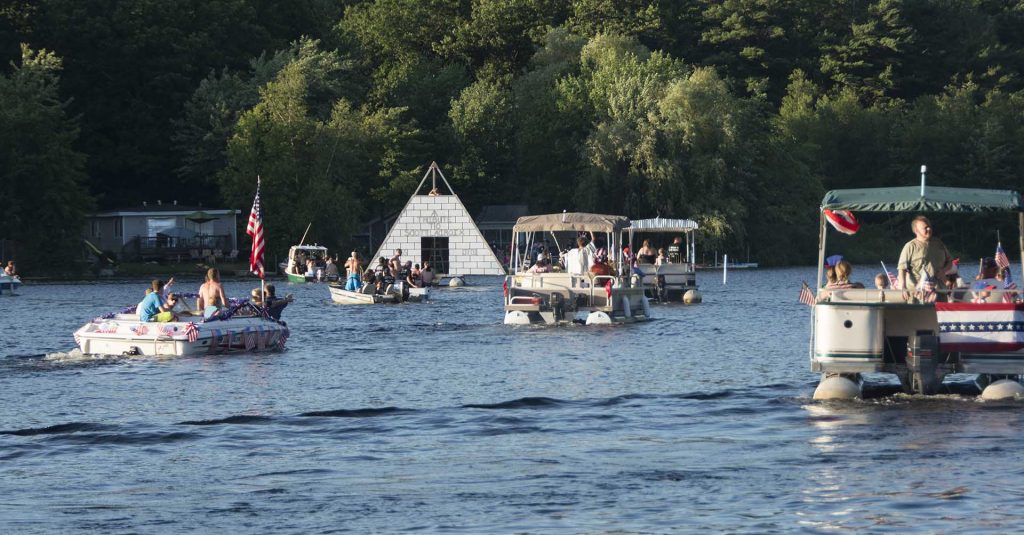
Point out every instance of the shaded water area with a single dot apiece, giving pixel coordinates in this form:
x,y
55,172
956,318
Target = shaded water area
x,y
436,417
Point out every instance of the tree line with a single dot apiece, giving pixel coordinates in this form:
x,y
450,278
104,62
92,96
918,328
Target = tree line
x,y
737,113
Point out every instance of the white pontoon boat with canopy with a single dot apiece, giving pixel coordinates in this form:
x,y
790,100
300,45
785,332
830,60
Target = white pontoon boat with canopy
x,y
676,280
558,297
860,331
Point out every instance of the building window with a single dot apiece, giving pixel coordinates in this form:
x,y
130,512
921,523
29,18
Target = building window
x,y
117,227
435,251
95,228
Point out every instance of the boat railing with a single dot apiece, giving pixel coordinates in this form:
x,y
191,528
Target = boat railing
x,y
873,295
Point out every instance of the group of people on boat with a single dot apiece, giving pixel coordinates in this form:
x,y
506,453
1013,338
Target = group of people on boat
x,y
926,268
590,256
161,305
387,273
319,268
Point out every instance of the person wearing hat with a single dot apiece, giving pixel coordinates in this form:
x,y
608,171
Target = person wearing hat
x,y
986,280
923,257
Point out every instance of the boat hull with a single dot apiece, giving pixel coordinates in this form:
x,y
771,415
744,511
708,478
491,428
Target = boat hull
x,y
126,335
10,283
561,298
345,297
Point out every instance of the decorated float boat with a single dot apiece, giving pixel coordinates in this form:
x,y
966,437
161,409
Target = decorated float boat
x,y
243,327
566,297
297,256
858,331
675,281
368,295
9,282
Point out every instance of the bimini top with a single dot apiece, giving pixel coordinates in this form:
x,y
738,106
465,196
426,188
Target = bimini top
x,y
935,199
571,221
663,225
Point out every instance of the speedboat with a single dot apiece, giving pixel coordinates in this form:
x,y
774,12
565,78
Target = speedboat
x,y
9,282
243,327
368,296
297,256
858,331
560,297
676,280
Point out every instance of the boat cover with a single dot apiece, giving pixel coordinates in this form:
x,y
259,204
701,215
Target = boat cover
x,y
667,225
935,199
571,221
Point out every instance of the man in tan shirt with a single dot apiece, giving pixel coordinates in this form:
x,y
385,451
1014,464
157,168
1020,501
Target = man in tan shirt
x,y
923,256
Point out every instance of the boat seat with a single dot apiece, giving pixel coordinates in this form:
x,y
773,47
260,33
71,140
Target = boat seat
x,y
367,288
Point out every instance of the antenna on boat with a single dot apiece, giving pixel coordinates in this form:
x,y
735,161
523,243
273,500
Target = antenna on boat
x,y
563,215
924,169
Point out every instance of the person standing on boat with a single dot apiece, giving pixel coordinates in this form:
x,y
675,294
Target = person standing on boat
x,y
353,268
646,254
426,274
675,251
331,269
396,262
9,269
211,295
923,257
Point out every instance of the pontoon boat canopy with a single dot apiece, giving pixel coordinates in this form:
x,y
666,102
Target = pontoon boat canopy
x,y
909,199
666,225
571,221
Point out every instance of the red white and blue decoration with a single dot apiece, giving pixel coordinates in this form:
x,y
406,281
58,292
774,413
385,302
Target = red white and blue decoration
x,y
843,221
255,229
980,327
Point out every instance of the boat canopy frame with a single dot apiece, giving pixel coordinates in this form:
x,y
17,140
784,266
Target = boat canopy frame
x,y
611,225
659,225
918,199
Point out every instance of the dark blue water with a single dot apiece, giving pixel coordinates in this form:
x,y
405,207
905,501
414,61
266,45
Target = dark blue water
x,y
435,417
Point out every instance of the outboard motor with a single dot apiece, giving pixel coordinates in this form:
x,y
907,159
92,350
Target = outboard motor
x,y
922,362
557,306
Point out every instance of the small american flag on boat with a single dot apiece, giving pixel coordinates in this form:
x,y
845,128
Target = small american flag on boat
x,y
1002,260
192,332
980,327
806,295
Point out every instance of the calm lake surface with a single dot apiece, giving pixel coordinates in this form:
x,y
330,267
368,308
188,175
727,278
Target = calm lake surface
x,y
436,417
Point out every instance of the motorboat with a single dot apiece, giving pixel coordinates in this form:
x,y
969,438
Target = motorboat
x,y
242,327
859,331
561,296
297,256
674,280
9,282
368,295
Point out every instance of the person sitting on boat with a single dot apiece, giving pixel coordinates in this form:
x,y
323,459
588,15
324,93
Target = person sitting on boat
x,y
662,258
427,274
543,265
1006,283
311,271
211,298
600,266
331,269
256,297
154,307
923,256
412,278
9,269
352,268
842,271
274,305
646,254
627,257
675,251
881,281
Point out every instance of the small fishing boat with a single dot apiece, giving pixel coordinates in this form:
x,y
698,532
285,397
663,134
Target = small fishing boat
x,y
9,282
918,338
243,327
675,280
368,295
560,297
297,256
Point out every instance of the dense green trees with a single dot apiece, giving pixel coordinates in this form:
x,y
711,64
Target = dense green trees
x,y
740,113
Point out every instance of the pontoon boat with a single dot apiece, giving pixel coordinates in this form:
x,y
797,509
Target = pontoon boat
x,y
675,280
859,331
567,295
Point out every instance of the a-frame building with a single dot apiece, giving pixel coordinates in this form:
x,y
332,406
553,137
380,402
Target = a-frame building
x,y
436,227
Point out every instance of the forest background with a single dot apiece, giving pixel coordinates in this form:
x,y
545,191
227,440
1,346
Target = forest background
x,y
737,113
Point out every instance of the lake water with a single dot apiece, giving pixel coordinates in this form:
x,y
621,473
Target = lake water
x,y
436,417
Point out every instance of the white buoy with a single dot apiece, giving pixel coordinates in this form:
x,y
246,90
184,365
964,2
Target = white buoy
x,y
598,318
455,282
836,387
692,297
1002,389
517,317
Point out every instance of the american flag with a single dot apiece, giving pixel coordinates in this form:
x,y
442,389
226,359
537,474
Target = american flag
x,y
894,282
250,339
806,295
1001,259
255,229
192,332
